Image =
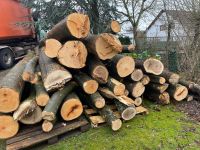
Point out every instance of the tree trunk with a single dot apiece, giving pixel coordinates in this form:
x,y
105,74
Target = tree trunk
x,y
160,98
136,89
73,54
178,92
50,110
29,71
193,87
121,65
158,87
97,70
11,86
89,85
145,80
128,48
171,77
47,126
105,45
116,87
54,75
72,107
52,47
136,75
114,27
157,79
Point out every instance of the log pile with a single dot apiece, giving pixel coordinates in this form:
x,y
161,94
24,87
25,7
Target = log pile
x,y
72,68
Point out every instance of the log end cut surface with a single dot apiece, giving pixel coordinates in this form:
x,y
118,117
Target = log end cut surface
x,y
9,100
138,101
119,90
52,46
100,103
115,26
116,124
138,89
181,93
78,25
129,113
90,86
8,127
42,99
47,126
137,75
153,66
101,73
164,98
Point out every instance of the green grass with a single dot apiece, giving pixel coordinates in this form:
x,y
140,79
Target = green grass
x,y
166,129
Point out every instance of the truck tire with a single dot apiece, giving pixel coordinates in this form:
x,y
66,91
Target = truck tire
x,y
6,58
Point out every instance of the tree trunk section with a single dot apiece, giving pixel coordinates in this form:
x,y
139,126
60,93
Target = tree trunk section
x,y
193,87
178,92
136,89
136,75
52,47
145,80
115,86
47,126
171,77
158,87
160,98
157,79
138,101
114,27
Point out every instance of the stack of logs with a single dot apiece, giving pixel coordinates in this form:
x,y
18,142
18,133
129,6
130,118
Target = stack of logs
x,y
72,68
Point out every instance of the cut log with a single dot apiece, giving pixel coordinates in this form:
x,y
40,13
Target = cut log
x,y
178,92
50,110
136,89
32,117
72,107
121,65
42,97
47,126
160,98
115,86
138,101
171,77
11,86
74,25
127,112
105,45
145,80
126,92
52,47
157,79
29,71
97,70
193,87
110,118
89,85
189,98
8,126
136,75
73,54
54,75
158,87
128,48
114,27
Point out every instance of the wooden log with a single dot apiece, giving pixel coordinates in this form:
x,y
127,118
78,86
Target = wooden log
x,y
114,27
136,75
158,87
136,89
127,112
47,126
8,126
160,98
105,45
189,98
29,70
138,101
145,80
193,87
50,110
71,108
89,85
97,70
33,117
128,48
171,77
75,25
73,54
126,92
11,86
178,92
42,97
115,86
52,47
110,118
54,76
157,79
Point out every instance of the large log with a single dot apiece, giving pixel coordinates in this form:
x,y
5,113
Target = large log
x,y
157,79
121,65
178,92
89,85
11,86
52,47
115,86
50,110
136,75
71,108
171,77
145,80
114,27
74,25
160,98
8,126
136,89
193,87
105,45
158,87
54,76
73,54
97,70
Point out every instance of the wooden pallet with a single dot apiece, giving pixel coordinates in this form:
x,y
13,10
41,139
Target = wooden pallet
x,y
34,135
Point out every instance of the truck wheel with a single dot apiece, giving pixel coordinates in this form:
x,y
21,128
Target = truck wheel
x,y
6,58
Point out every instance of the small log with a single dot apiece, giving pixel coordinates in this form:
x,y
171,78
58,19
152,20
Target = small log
x,y
105,45
141,110
33,117
157,79
11,86
178,92
71,108
114,27
29,70
47,126
160,98
126,92
136,75
52,47
73,54
171,77
193,87
110,118
54,76
145,80
189,98
42,97
136,89
50,110
89,85
121,65
128,48
8,126
127,112
115,86
158,87
138,101
97,70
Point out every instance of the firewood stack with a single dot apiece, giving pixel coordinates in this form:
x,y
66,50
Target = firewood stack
x,y
72,68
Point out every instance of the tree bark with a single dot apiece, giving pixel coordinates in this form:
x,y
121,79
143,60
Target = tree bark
x,y
115,86
160,98
171,77
193,87
157,79
178,92
52,47
136,89
128,48
145,80
158,87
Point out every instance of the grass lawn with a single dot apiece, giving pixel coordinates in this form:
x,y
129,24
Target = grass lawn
x,y
164,128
